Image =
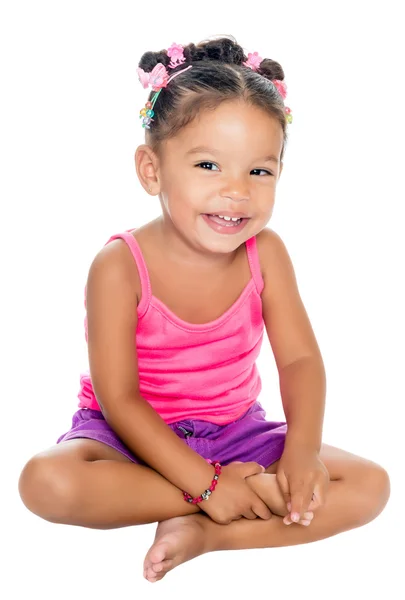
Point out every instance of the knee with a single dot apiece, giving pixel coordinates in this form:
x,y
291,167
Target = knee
x,y
46,489
375,491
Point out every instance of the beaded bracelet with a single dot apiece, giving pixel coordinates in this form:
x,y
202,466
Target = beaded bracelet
x,y
205,495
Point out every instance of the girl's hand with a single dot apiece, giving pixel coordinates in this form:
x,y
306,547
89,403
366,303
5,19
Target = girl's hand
x,y
303,480
233,497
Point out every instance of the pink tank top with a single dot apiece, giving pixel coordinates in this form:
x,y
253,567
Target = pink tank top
x,y
195,371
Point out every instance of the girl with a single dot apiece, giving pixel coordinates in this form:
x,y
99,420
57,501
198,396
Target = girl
x,y
169,426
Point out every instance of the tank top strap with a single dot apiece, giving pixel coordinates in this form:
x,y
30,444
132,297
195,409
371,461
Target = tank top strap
x,y
146,292
254,263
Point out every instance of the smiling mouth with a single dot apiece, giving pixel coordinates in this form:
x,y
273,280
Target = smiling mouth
x,y
223,226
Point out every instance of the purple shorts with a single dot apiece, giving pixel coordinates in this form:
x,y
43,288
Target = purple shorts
x,y
249,438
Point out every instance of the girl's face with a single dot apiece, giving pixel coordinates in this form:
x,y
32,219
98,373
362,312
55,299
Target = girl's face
x,y
226,160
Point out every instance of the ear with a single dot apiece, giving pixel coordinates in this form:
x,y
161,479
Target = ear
x,y
147,169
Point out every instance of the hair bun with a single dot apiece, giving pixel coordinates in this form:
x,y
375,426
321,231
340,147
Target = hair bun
x,y
223,48
270,69
149,60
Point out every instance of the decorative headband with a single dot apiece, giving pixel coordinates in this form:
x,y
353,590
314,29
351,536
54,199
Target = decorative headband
x,y
158,79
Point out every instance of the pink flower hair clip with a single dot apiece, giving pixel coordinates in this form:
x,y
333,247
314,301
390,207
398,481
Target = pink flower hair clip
x,y
253,62
158,79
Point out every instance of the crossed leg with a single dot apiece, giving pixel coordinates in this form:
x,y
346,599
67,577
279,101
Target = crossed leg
x,y
358,491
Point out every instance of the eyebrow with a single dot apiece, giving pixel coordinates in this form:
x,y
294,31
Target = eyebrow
x,y
203,149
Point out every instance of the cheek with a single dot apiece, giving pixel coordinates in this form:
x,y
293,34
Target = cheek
x,y
265,211
182,187
265,203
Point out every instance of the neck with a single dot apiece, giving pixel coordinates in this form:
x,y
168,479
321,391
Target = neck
x,y
178,249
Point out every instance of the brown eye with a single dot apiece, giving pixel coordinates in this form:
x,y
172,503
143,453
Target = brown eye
x,y
264,171
205,163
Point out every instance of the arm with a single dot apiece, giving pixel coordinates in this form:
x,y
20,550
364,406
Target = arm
x,y
298,358
303,391
112,322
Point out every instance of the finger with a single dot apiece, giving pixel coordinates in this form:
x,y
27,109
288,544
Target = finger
x,y
301,495
306,519
262,510
297,500
287,520
305,513
249,514
308,516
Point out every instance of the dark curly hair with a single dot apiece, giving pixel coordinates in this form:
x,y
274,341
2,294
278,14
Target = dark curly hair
x,y
218,75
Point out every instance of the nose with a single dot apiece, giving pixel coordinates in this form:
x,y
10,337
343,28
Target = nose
x,y
236,189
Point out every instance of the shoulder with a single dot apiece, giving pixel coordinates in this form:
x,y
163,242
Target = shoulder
x,y
114,266
275,261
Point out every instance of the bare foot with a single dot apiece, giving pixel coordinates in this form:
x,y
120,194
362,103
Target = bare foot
x,y
177,540
265,485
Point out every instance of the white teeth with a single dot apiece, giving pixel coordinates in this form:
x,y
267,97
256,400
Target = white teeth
x,y
228,218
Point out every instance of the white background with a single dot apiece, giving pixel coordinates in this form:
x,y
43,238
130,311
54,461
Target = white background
x,y
70,102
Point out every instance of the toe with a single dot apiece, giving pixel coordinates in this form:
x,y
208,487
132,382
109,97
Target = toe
x,y
154,558
150,575
157,571
167,565
147,563
158,553
156,568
